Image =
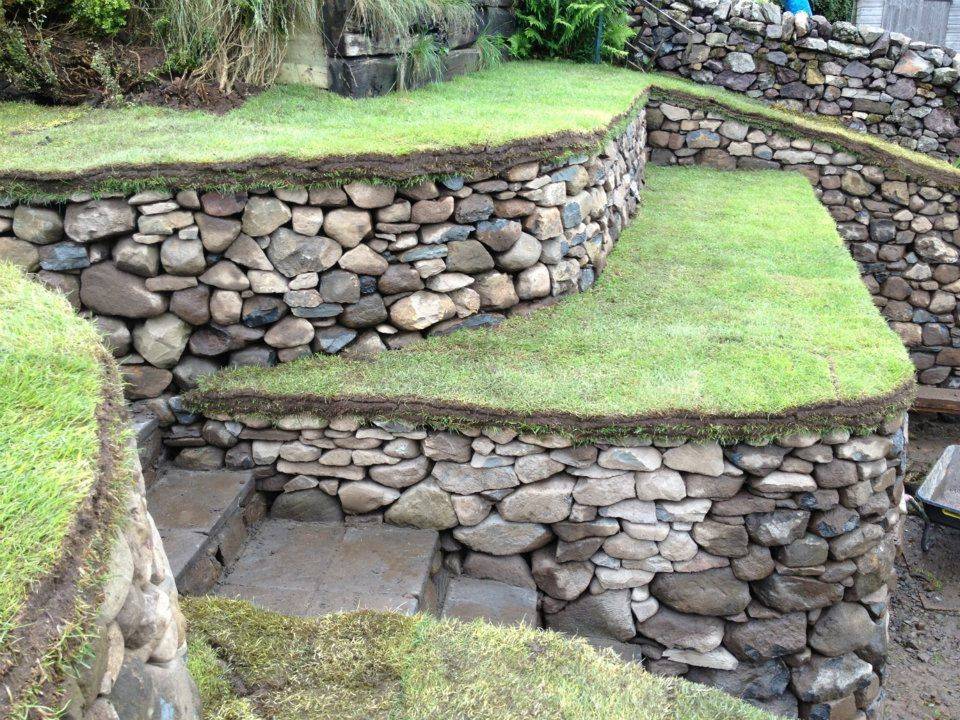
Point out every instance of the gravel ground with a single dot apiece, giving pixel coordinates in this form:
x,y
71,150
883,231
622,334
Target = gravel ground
x,y
922,675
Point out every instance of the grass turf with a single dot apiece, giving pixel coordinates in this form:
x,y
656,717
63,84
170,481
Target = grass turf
x,y
714,304
495,107
51,383
380,666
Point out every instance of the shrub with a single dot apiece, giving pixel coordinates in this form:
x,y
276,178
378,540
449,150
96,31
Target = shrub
x,y
568,29
100,16
108,16
835,10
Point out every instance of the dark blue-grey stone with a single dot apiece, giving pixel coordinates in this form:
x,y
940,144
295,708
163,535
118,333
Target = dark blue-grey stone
x,y
368,284
564,175
262,311
332,340
323,310
474,321
587,278
571,215
64,256
424,253
184,415
453,183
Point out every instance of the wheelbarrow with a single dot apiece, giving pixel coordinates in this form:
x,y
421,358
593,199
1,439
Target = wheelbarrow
x,y
938,499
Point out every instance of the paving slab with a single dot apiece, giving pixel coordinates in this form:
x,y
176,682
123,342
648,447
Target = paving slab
x,y
197,500
496,602
194,512
313,569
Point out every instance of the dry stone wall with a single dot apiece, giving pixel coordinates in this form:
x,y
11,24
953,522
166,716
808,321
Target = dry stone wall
x,y
136,667
185,282
903,232
762,569
882,82
361,65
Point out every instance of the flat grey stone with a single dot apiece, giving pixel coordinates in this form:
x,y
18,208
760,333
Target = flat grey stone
x,y
312,569
495,602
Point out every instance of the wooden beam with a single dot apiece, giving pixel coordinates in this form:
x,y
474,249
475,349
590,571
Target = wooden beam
x,y
937,400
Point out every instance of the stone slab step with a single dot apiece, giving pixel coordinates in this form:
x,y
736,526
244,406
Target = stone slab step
x,y
496,602
311,569
202,517
937,400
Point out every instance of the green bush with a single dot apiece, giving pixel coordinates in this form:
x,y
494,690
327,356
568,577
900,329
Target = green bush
x,y
107,16
835,10
568,29
101,16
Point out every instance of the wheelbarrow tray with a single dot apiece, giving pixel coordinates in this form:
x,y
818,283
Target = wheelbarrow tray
x,y
940,493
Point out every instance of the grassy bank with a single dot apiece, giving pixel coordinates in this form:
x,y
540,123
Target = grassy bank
x,y
51,383
380,666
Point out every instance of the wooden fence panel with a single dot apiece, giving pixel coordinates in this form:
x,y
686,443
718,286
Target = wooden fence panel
x,y
919,19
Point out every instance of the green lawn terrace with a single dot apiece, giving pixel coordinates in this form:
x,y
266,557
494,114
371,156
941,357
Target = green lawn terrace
x,y
711,319
297,134
288,135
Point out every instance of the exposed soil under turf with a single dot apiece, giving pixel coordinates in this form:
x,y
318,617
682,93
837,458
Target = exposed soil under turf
x,y
864,413
921,682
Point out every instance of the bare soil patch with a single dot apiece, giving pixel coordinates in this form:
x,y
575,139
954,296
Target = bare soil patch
x,y
921,682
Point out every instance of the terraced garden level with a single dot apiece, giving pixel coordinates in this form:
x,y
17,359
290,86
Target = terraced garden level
x,y
373,666
710,318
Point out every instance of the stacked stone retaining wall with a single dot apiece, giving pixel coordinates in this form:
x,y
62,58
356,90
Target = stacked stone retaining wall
x,y
362,65
136,663
902,230
183,282
885,83
763,569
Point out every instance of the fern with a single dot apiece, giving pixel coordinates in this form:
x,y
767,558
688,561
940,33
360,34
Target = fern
x,y
568,29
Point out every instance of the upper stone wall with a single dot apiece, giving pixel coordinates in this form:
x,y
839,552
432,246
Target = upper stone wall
x,y
879,81
361,65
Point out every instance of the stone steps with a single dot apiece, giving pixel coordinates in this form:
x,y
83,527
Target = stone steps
x,y
312,569
203,518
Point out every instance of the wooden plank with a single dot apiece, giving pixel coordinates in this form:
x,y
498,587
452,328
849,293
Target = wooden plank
x,y
870,12
937,400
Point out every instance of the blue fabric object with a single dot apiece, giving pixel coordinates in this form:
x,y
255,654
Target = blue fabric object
x,y
799,6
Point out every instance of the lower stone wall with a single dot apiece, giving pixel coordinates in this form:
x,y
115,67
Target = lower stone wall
x,y
183,282
761,569
902,231
136,667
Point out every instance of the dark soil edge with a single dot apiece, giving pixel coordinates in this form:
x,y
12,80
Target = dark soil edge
x,y
866,151
861,413
56,598
280,171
